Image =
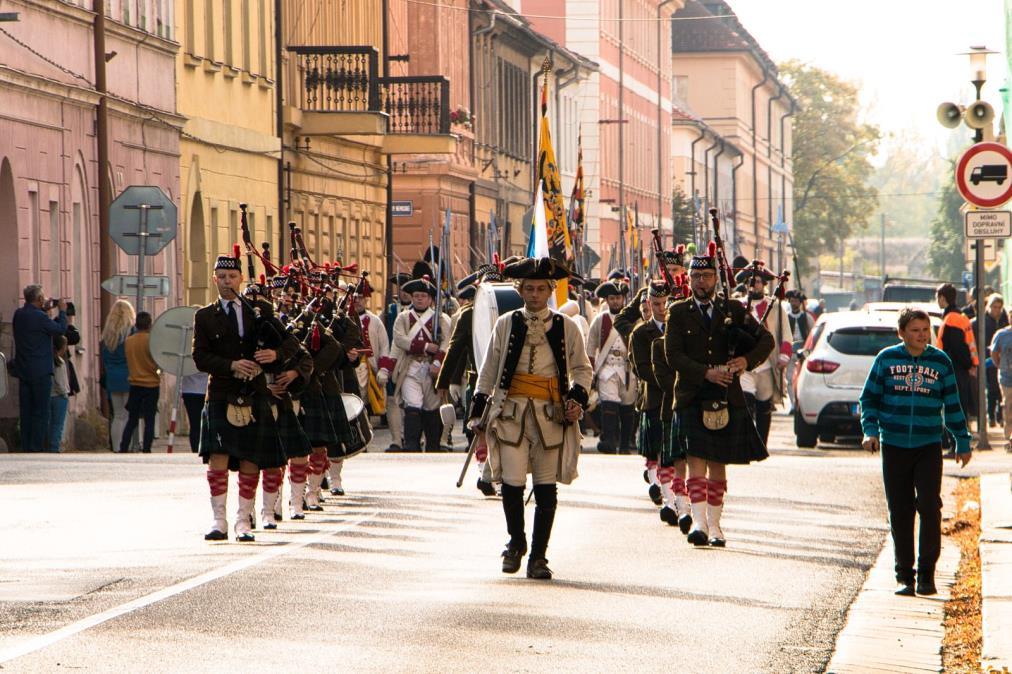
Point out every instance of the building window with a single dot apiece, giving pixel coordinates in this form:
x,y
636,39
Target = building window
x,y
36,235
226,28
246,36
188,27
209,29
262,36
233,228
55,265
215,234
269,234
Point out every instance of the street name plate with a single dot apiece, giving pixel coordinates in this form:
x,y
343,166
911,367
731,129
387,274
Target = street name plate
x,y
988,224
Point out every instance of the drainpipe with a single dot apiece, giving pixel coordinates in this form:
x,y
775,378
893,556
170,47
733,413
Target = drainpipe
x,y
388,233
716,176
783,159
692,177
734,201
707,203
660,125
769,152
279,123
490,74
105,262
755,162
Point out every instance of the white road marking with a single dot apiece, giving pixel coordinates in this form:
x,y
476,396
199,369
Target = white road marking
x,y
46,640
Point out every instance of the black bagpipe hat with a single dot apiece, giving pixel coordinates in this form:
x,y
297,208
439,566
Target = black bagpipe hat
x,y
538,268
659,289
229,261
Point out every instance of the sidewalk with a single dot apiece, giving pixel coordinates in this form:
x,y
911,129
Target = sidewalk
x,y
886,633
996,570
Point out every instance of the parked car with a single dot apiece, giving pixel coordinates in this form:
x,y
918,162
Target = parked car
x,y
836,359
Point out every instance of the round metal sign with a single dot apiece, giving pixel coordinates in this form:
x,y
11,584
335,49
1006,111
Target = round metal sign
x,y
984,175
171,342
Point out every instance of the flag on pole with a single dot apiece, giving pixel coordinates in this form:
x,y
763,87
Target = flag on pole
x,y
576,205
549,195
493,237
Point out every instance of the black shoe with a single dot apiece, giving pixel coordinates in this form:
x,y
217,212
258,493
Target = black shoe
x,y
718,542
394,448
298,516
270,526
538,569
245,538
486,488
685,524
511,557
668,516
336,491
277,518
646,477
926,584
215,535
905,588
145,451
699,538
315,509
325,484
655,494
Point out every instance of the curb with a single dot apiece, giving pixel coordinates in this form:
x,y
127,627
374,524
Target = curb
x,y
887,633
996,570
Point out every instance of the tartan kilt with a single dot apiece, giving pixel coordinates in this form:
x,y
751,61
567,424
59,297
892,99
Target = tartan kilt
x,y
257,443
650,435
343,437
736,443
674,446
294,440
316,420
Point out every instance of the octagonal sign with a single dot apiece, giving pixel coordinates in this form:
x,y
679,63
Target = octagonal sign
x,y
127,218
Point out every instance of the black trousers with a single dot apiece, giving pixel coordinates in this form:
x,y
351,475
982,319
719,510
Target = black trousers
x,y
194,403
913,483
142,403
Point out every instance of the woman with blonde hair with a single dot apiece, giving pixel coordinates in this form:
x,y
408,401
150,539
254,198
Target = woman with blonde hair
x,y
118,326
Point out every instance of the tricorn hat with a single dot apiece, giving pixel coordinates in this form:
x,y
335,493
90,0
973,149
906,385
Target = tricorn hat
x,y
543,268
419,285
611,288
754,270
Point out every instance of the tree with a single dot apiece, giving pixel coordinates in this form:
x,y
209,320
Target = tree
x,y
832,147
945,254
681,209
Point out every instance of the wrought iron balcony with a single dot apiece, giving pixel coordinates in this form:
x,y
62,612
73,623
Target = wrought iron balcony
x,y
346,80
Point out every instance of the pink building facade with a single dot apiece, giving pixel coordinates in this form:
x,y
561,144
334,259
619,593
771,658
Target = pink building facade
x,y
48,159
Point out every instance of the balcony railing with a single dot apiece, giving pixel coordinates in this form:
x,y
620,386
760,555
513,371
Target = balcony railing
x,y
346,79
336,79
416,105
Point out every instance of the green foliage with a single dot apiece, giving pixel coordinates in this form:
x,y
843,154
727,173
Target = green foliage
x,y
832,147
945,254
682,212
908,182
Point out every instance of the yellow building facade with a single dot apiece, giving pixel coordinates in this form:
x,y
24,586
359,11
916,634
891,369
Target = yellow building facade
x,y
229,147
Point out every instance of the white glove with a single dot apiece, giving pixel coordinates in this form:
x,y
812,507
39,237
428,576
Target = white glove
x,y
382,377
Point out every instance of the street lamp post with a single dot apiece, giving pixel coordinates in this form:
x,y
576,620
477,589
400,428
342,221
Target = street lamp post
x,y
948,116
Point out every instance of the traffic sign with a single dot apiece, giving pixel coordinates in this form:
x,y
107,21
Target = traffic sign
x,y
990,252
402,209
988,224
153,286
984,174
142,212
170,340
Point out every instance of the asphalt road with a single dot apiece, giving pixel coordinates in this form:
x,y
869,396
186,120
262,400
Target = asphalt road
x,y
103,569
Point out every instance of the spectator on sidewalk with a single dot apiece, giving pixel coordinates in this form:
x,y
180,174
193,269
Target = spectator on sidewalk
x,y
59,399
910,390
194,388
955,338
994,320
33,363
1001,354
801,321
115,374
145,380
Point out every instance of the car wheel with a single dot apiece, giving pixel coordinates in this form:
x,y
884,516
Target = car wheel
x,y
805,435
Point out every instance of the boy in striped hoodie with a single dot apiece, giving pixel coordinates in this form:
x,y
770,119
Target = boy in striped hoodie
x,y
910,389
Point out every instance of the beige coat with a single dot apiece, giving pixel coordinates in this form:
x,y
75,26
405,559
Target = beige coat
x,y
495,423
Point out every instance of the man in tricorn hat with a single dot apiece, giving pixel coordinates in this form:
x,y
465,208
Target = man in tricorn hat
x,y
419,344
613,379
238,429
531,393
703,333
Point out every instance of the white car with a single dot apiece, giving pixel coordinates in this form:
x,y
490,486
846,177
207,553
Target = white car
x,y
837,358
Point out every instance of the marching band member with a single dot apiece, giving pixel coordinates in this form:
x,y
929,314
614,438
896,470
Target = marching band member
x,y
238,430
712,418
616,387
531,392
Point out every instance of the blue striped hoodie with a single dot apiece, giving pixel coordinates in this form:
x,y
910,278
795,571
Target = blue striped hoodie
x,y
905,398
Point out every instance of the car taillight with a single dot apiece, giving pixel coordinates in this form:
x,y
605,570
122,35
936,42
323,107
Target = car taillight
x,y
821,366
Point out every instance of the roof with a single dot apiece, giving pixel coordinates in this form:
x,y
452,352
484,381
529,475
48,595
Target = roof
x,y
504,10
724,34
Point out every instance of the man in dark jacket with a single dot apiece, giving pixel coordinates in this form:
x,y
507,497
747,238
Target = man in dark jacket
x,y
33,355
994,320
955,338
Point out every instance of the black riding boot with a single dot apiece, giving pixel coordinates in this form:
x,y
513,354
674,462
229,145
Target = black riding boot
x,y
433,425
546,498
608,441
513,508
763,419
412,429
629,419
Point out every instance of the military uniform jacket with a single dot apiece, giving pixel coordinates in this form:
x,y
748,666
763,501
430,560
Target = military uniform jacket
x,y
664,376
409,342
691,348
459,358
641,356
216,345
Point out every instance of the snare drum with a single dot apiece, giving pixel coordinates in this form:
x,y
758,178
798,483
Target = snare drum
x,y
358,422
491,301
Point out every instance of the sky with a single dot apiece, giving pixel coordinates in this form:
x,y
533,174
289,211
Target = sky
x,y
904,53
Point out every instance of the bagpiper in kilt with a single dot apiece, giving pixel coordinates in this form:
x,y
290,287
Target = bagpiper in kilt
x,y
238,427
696,344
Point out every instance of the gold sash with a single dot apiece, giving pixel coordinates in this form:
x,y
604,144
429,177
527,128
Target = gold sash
x,y
535,386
